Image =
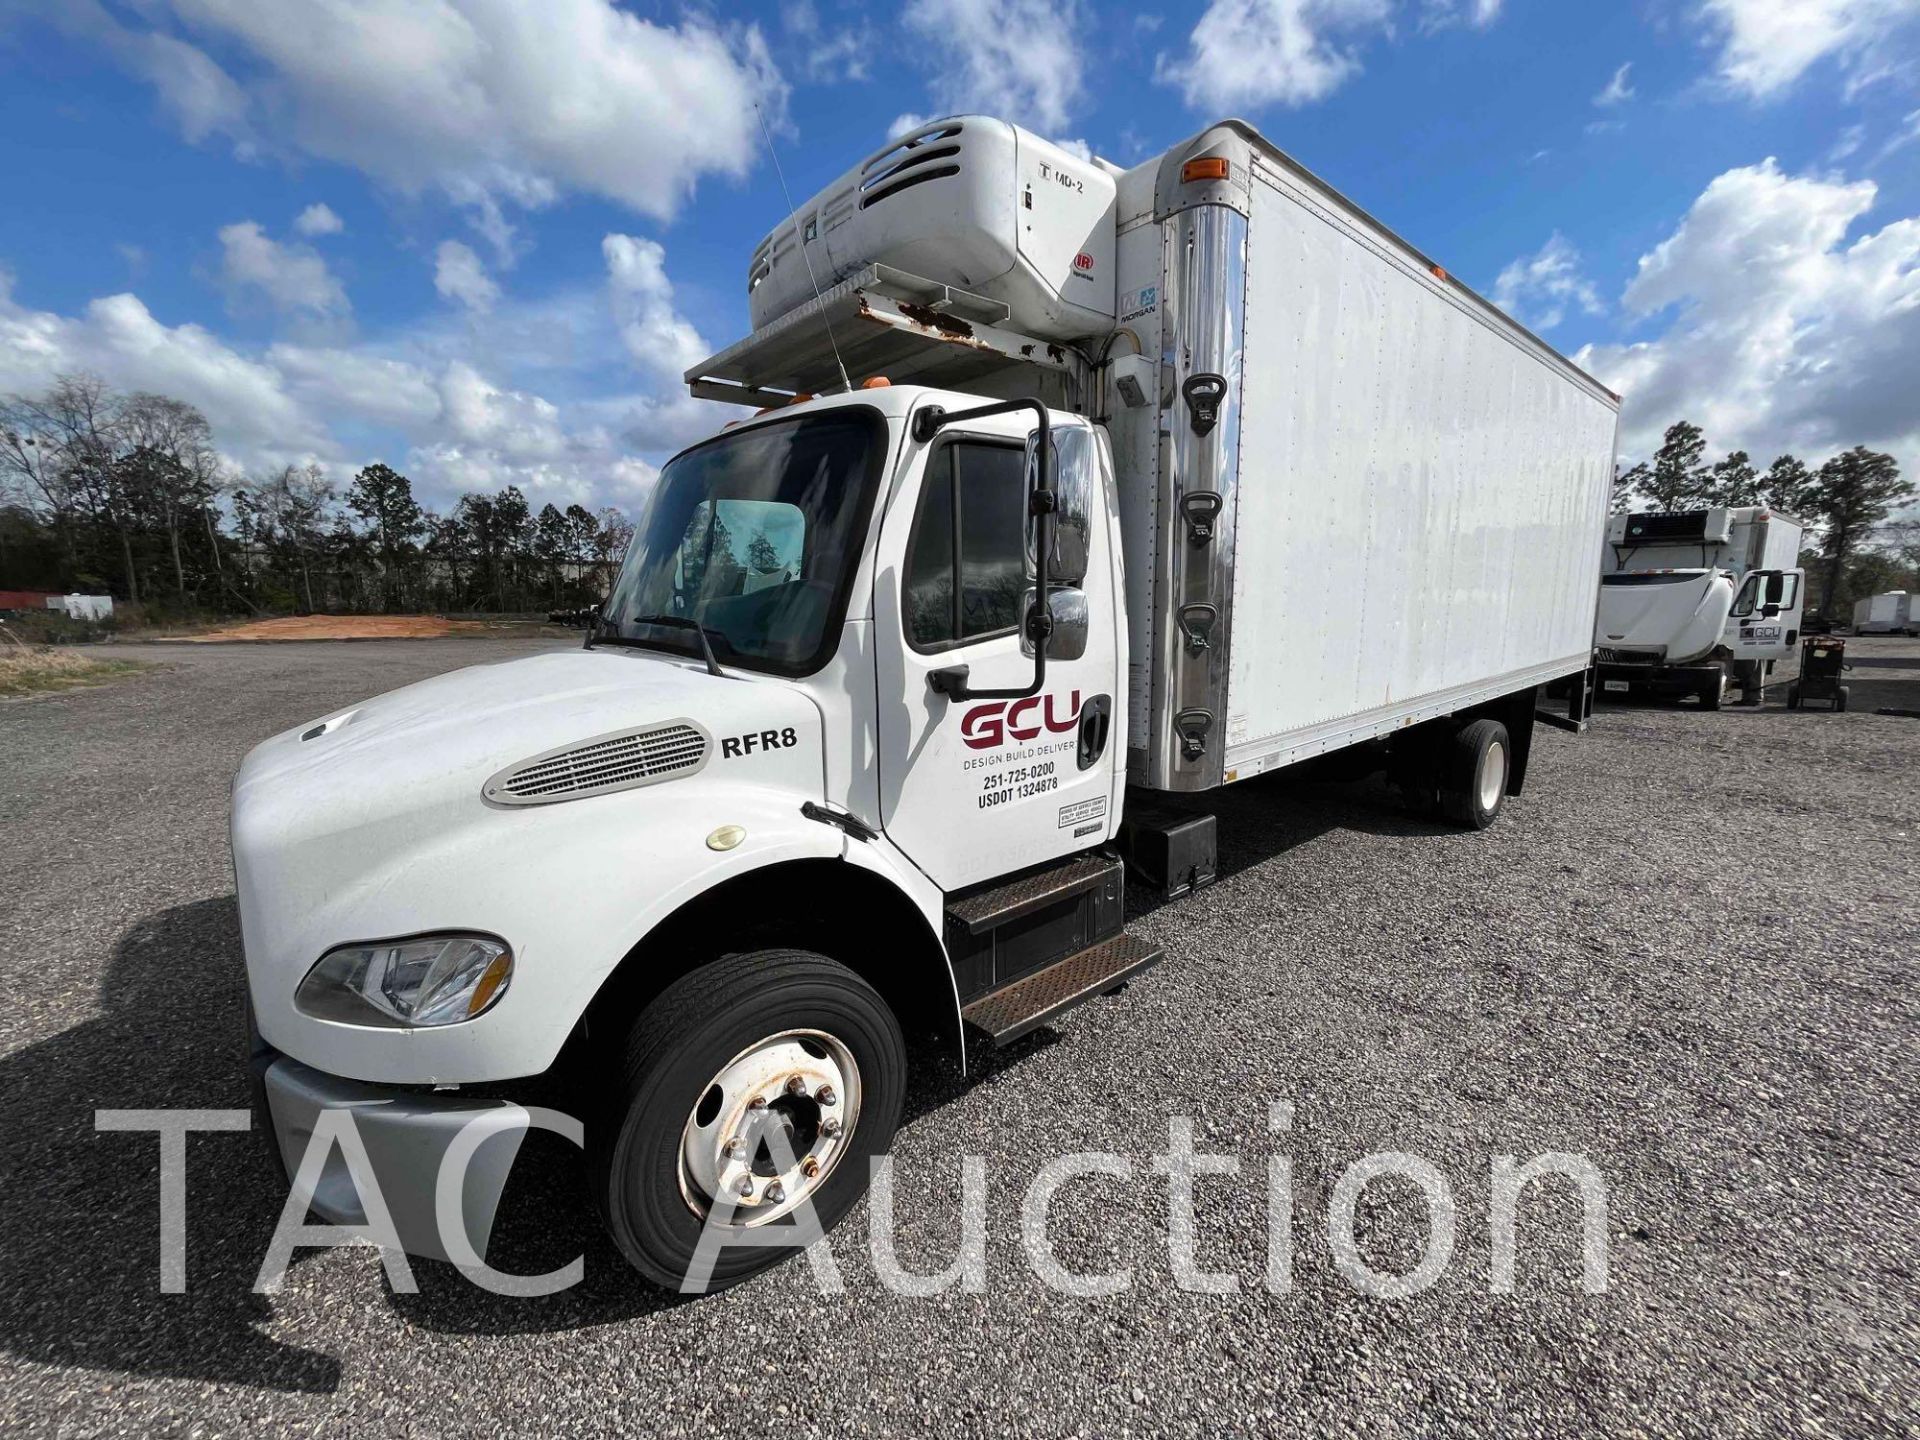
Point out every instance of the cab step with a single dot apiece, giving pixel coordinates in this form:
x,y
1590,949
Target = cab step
x,y
1004,1015
1069,879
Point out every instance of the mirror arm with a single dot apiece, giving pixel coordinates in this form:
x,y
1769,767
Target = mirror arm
x,y
1041,503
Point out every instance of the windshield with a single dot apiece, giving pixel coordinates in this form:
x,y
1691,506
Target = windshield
x,y
754,536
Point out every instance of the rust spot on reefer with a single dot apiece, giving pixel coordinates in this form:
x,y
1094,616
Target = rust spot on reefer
x,y
946,324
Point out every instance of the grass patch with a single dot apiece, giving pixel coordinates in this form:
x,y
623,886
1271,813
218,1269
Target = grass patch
x,y
35,672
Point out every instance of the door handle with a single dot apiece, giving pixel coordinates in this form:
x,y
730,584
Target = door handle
x,y
1096,719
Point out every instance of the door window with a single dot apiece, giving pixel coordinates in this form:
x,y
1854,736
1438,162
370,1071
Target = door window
x,y
966,563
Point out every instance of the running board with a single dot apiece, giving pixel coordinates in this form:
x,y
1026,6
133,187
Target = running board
x,y
1067,880
1031,1001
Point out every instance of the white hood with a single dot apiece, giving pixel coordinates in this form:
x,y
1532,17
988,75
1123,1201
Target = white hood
x,y
372,823
1678,614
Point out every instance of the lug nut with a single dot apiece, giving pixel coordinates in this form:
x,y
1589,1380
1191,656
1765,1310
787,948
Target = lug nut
x,y
776,1192
810,1167
759,1102
744,1185
797,1085
826,1095
830,1127
734,1148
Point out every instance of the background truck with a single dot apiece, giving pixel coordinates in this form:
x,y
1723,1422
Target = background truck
x,y
1894,613
1058,479
1693,602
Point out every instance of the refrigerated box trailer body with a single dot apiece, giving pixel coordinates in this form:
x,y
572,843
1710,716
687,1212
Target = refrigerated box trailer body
x,y
1388,513
1893,613
1176,475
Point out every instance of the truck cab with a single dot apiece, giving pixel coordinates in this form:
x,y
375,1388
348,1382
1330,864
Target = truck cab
x,y
1695,603
821,665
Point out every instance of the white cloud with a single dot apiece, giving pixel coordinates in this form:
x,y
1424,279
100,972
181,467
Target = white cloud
x,y
1538,289
319,219
473,403
903,123
118,338
293,278
1781,334
483,100
458,274
826,56
1907,134
1078,148
1249,53
1439,14
1766,45
656,335
1618,90
1019,60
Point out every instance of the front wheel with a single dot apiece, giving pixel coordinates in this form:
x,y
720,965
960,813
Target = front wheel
x,y
754,1085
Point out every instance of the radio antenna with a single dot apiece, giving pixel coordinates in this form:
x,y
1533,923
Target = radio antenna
x,y
774,155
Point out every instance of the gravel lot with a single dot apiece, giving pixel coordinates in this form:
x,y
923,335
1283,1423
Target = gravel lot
x,y
1687,952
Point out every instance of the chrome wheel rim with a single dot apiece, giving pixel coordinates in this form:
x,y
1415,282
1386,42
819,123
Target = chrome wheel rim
x,y
768,1129
1493,775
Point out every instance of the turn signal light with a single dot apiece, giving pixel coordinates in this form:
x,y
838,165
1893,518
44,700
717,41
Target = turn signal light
x,y
876,382
1208,167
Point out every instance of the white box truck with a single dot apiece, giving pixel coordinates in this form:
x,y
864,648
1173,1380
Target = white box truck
x,y
1893,613
1694,603
1054,478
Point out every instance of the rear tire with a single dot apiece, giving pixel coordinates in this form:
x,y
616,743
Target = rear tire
x,y
1793,697
1711,697
704,1033
1840,699
1474,767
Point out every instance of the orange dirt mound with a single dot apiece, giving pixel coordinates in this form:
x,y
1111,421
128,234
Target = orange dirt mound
x,y
346,627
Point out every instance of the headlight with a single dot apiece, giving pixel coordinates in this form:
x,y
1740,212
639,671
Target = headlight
x,y
404,984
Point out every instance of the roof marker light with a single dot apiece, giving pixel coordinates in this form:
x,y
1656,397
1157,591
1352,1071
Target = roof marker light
x,y
1207,167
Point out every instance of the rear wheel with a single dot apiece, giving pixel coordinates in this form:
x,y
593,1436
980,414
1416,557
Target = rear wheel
x,y
754,1085
1714,693
1793,697
1474,765
1840,698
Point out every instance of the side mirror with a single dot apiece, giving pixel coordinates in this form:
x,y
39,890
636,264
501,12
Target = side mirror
x,y
1067,637
1073,471
1769,610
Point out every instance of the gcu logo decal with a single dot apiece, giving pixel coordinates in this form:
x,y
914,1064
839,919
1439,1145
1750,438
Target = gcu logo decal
x,y
986,726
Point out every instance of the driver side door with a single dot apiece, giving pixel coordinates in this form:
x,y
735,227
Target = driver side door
x,y
973,788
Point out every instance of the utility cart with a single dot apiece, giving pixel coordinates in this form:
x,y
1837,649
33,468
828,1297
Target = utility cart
x,y
1822,658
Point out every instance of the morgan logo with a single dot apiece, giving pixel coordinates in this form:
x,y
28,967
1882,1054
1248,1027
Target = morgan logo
x,y
986,727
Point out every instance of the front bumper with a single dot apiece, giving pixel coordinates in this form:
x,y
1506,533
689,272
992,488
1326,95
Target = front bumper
x,y
405,1135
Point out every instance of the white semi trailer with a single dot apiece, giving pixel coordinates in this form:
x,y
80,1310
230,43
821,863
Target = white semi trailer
x,y
1694,603
1894,612
1055,479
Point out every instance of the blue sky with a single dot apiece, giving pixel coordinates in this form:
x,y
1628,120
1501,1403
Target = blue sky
x,y
479,239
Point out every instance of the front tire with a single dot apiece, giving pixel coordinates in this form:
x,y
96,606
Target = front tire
x,y
774,1038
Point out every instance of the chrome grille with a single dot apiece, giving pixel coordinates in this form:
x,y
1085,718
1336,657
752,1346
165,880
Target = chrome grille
x,y
621,761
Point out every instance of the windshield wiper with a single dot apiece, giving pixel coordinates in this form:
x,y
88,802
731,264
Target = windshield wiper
x,y
674,622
